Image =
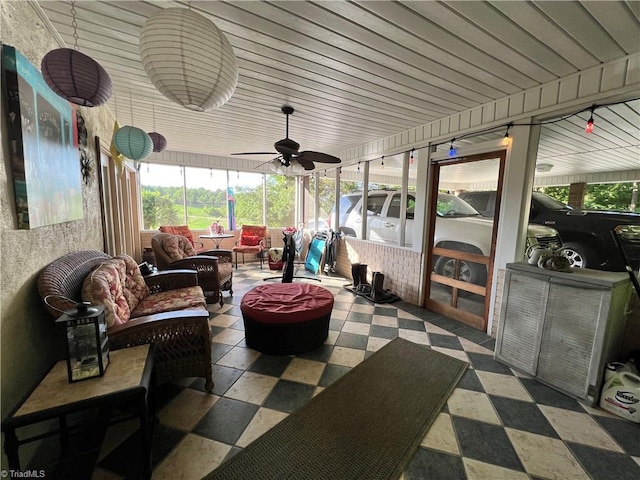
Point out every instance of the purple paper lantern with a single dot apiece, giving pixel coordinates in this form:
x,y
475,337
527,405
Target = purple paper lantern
x,y
76,77
159,142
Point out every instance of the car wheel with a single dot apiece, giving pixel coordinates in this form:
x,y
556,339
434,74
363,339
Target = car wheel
x,y
349,232
469,272
579,256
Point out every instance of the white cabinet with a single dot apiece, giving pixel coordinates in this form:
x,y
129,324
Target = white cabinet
x,y
563,328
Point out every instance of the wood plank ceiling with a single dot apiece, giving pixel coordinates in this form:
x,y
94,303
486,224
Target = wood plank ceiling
x,y
359,71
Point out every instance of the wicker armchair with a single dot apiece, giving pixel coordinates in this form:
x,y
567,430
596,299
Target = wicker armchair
x,y
169,309
185,231
214,267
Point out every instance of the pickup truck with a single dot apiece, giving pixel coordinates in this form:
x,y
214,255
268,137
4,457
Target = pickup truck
x,y
586,234
458,227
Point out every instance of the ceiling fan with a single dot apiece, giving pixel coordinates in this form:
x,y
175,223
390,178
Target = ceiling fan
x,y
288,150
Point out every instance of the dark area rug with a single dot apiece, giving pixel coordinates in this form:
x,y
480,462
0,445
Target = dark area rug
x,y
366,425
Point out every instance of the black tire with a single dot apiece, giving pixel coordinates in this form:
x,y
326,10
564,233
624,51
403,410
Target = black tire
x,y
579,255
475,273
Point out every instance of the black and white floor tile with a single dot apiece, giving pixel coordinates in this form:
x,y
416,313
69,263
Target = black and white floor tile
x,y
497,424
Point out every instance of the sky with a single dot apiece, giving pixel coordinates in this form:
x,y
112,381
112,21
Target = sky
x,y
171,176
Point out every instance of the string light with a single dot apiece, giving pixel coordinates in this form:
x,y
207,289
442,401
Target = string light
x,y
211,172
507,140
411,156
358,167
452,149
382,163
589,128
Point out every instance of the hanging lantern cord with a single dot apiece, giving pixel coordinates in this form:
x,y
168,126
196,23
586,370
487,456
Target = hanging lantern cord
x,y
74,24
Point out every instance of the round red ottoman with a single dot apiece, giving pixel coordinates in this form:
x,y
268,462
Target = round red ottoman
x,y
286,318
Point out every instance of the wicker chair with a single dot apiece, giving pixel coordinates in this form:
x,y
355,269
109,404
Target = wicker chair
x,y
185,231
182,337
214,267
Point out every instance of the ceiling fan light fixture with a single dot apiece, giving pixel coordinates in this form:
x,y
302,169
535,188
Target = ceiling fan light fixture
x,y
188,59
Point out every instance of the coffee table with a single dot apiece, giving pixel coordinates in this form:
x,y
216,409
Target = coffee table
x,y
127,380
216,237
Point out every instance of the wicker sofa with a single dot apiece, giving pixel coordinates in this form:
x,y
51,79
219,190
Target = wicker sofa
x,y
165,308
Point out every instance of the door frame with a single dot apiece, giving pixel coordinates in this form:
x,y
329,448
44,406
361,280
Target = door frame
x,y
451,311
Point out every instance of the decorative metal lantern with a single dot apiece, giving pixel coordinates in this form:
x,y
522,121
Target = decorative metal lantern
x,y
188,59
87,341
133,142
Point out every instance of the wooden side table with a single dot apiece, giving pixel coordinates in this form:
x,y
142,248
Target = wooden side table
x,y
127,380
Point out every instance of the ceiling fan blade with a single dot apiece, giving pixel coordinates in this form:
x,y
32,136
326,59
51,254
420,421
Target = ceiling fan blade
x,y
318,157
306,164
268,161
255,153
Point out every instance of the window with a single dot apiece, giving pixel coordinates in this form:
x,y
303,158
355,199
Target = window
x,y
162,195
248,198
375,204
281,201
206,197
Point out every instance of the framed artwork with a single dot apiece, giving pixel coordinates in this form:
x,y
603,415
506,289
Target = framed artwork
x,y
41,129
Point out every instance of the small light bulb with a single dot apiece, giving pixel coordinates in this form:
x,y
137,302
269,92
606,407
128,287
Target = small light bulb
x,y
411,156
452,150
589,128
382,163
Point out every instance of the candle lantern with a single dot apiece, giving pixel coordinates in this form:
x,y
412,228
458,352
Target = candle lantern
x,y
87,341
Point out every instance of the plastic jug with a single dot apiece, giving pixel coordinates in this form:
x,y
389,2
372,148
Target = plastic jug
x,y
621,392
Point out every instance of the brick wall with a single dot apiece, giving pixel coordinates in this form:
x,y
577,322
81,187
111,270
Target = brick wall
x,y
401,267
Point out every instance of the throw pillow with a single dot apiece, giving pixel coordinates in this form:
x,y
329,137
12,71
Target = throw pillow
x,y
250,240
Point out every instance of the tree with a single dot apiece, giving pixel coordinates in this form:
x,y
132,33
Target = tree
x,y
609,196
157,210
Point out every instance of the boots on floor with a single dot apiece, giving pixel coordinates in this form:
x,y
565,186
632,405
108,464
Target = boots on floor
x,y
377,286
363,274
355,274
363,287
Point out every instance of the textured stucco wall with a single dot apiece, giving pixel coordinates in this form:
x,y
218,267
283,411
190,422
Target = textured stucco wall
x,y
29,343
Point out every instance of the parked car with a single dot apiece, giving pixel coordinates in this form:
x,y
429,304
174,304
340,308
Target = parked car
x,y
586,234
458,227
323,226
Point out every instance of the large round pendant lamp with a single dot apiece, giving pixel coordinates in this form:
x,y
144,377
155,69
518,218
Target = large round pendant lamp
x,y
188,59
133,143
76,77
159,142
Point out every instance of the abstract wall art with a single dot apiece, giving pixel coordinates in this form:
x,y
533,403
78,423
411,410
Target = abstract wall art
x,y
43,146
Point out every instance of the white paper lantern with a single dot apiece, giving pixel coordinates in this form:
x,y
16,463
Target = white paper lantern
x,y
188,59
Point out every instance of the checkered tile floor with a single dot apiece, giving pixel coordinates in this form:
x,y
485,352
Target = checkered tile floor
x,y
497,424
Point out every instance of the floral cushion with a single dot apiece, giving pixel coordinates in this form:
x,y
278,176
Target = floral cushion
x,y
188,298
103,287
177,247
250,240
134,286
